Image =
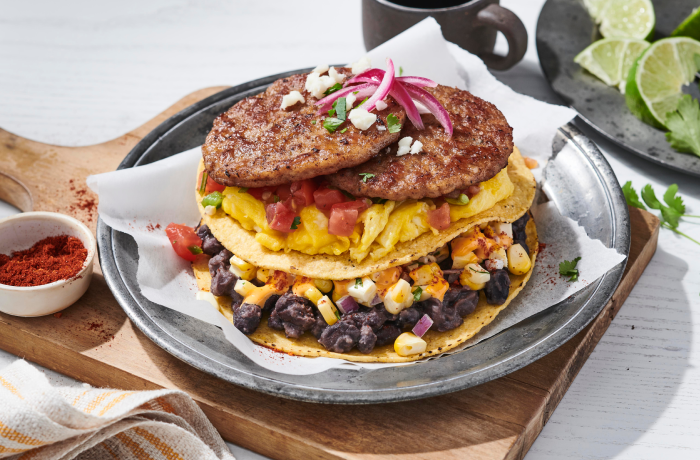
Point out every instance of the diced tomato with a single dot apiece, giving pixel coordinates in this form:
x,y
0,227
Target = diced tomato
x,y
283,192
360,204
440,218
185,241
211,185
262,193
342,221
295,203
280,217
305,189
325,198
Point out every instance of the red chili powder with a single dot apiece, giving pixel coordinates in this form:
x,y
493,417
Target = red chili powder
x,y
51,259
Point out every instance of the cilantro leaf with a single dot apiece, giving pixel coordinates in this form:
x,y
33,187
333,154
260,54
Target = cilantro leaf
x,y
631,196
358,282
393,124
568,268
340,107
401,70
333,89
684,126
670,216
243,190
313,122
331,124
649,197
363,101
195,250
366,176
295,223
417,293
337,315
674,202
343,130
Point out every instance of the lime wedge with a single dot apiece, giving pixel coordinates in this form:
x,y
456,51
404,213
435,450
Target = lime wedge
x,y
655,82
627,18
611,59
594,7
690,27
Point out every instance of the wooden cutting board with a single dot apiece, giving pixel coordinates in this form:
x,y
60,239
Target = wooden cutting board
x,y
95,342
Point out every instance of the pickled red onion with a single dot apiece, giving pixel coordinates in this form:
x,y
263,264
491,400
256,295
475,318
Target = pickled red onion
x,y
384,87
403,98
347,304
431,104
363,91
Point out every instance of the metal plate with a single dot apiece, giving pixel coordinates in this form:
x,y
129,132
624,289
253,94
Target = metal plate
x,y
578,179
564,30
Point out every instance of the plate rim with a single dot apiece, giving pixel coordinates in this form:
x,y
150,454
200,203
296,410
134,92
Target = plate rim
x,y
602,294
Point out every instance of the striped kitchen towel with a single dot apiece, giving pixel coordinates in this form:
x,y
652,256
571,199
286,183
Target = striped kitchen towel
x,y
42,422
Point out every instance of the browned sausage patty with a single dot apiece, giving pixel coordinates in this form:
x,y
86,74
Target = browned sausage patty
x,y
256,144
478,149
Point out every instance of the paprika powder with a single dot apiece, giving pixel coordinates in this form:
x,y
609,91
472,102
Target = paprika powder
x,y
52,259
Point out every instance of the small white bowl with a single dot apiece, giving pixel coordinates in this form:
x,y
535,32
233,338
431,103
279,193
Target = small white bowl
x,y
21,232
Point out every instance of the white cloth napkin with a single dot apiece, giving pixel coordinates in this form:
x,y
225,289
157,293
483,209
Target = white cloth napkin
x,y
41,422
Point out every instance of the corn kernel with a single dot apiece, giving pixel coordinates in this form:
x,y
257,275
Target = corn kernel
x,y
426,274
474,276
324,286
408,344
398,297
438,289
262,275
519,261
313,294
340,289
242,269
502,227
328,310
463,261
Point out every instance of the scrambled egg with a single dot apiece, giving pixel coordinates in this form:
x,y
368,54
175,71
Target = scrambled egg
x,y
378,228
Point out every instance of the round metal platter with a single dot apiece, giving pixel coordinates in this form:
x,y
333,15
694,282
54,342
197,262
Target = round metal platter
x,y
578,179
565,29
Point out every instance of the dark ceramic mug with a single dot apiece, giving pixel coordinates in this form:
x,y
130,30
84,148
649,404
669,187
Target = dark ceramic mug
x,y
473,25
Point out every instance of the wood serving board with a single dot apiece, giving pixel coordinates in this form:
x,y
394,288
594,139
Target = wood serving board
x,y
95,342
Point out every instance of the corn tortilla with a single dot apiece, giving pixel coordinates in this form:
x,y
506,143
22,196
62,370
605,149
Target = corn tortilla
x,y
242,242
438,342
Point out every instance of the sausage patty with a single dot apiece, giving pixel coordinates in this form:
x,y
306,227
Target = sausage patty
x,y
256,144
479,148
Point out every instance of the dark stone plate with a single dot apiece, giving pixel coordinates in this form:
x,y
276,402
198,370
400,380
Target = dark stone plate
x,y
565,29
578,179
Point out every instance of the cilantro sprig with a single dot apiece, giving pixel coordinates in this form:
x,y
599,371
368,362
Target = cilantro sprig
x,y
366,176
568,268
333,89
671,213
296,222
417,294
393,123
331,124
684,126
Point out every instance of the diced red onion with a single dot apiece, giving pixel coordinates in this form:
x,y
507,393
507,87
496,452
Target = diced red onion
x,y
422,326
347,304
418,81
364,91
431,104
376,301
371,75
384,87
399,93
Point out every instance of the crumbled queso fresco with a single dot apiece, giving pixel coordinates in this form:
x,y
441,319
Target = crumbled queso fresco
x,y
317,84
292,98
406,147
361,118
361,65
381,105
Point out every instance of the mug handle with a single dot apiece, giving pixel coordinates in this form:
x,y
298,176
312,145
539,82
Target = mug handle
x,y
512,27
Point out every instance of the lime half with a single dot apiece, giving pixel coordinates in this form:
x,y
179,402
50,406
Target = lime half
x,y
611,59
655,82
690,27
595,7
627,18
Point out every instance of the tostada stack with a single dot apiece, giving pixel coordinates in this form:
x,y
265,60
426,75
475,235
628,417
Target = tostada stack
x,y
356,214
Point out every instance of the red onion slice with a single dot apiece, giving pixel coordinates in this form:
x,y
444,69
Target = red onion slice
x,y
399,93
384,87
422,326
431,104
347,304
418,81
376,301
364,91
371,75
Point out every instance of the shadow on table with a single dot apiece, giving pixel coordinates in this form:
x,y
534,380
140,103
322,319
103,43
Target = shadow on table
x,y
634,373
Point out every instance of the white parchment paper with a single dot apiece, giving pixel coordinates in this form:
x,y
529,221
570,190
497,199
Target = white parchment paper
x,y
142,201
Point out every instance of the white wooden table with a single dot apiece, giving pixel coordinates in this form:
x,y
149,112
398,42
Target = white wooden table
x,y
79,73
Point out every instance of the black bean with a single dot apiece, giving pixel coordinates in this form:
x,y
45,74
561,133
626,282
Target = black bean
x,y
498,287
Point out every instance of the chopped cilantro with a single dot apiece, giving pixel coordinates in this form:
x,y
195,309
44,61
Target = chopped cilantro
x,y
393,124
568,268
684,126
400,71
358,282
195,250
363,101
343,130
417,293
275,198
313,122
379,200
477,271
296,222
337,315
366,176
631,196
333,89
341,108
355,92
331,124
242,189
